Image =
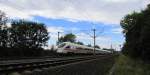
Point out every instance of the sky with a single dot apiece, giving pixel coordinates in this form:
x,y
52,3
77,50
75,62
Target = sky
x,y
77,16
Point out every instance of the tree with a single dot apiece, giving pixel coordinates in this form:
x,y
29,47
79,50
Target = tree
x,y
96,46
89,45
27,38
80,43
145,33
3,30
26,34
132,27
23,38
137,33
68,38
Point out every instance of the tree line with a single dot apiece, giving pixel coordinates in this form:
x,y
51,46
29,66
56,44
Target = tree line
x,y
23,38
136,29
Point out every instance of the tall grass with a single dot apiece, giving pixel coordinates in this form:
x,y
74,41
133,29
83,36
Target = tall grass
x,y
127,66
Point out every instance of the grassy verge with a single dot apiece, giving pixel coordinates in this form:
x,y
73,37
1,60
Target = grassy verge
x,y
127,66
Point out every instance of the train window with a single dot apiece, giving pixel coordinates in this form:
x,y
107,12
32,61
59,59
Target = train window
x,y
68,47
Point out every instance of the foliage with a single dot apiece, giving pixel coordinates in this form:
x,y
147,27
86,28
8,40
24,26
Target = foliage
x,y
96,46
89,45
23,38
68,38
3,29
137,33
80,43
26,34
127,66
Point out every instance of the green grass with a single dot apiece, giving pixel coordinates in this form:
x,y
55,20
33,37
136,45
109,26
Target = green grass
x,y
127,66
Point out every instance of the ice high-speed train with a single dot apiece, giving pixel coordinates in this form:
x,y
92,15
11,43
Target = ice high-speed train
x,y
68,47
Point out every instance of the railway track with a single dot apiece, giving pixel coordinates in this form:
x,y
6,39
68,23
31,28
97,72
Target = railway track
x,y
20,65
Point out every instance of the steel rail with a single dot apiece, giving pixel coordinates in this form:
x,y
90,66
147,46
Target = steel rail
x,y
18,66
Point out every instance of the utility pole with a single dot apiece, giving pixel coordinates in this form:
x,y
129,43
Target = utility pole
x,y
58,37
94,38
120,47
111,46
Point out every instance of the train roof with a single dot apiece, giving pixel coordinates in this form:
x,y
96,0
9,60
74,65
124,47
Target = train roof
x,y
83,46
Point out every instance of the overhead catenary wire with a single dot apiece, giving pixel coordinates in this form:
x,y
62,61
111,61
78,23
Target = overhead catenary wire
x,y
86,16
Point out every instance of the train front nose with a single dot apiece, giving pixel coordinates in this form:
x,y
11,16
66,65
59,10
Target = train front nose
x,y
59,50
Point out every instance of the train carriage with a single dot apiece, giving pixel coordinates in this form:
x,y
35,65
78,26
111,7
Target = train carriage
x,y
68,47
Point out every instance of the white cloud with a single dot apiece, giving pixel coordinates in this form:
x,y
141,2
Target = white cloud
x,y
105,11
121,1
53,29
53,33
117,30
8,25
14,13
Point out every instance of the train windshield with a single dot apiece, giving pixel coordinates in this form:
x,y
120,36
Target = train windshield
x,y
68,47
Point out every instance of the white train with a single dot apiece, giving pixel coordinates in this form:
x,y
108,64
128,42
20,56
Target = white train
x,y
68,47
